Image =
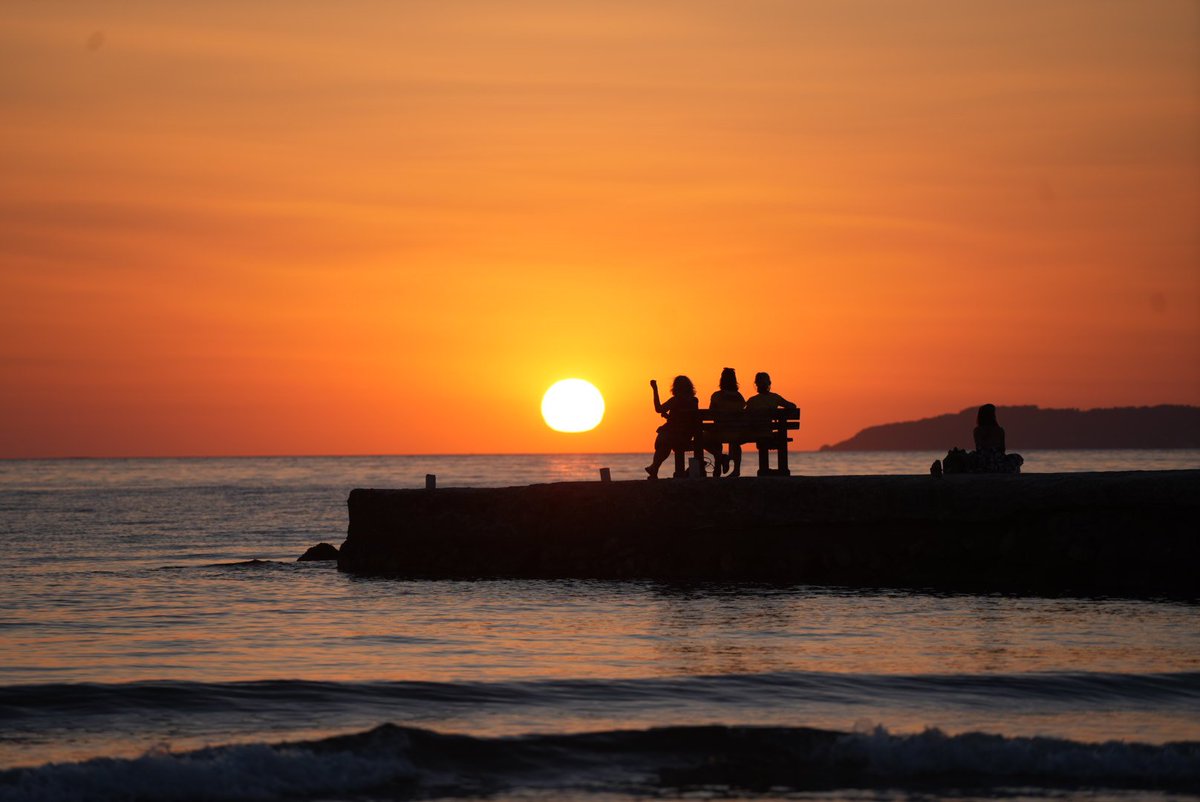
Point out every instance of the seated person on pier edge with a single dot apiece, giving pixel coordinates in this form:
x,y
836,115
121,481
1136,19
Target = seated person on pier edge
x,y
989,455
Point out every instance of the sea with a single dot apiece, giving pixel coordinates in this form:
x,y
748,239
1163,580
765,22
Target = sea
x,y
159,641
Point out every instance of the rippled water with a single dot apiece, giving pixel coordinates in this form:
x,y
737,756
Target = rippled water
x,y
500,470
133,625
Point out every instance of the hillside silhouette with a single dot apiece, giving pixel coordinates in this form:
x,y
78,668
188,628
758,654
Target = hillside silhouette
x,y
1031,427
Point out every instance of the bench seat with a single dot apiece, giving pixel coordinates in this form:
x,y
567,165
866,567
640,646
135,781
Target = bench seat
x,y
767,429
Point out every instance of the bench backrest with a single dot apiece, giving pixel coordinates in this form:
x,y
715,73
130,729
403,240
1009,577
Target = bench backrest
x,y
775,418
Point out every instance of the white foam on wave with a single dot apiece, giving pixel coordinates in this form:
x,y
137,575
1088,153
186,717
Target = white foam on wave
x,y
932,753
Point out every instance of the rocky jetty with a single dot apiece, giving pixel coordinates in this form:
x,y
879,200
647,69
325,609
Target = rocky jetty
x,y
1094,533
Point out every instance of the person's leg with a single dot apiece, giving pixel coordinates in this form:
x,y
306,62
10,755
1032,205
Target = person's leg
x,y
662,450
715,447
735,454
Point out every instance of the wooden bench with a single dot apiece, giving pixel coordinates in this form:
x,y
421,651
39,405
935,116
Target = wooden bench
x,y
766,428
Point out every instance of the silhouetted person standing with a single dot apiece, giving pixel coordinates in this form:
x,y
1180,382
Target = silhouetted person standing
x,y
729,401
682,412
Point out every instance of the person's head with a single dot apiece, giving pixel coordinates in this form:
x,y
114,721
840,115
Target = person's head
x,y
986,416
762,380
729,380
682,386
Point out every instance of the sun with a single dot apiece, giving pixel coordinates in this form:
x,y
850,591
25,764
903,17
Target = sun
x,y
572,405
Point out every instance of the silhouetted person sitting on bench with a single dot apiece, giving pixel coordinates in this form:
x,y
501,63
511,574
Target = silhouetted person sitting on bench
x,y
765,400
682,412
729,401
989,455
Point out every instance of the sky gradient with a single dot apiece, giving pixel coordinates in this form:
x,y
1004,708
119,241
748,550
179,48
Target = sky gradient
x,y
263,227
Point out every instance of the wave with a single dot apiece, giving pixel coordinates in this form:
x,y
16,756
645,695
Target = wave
x,y
1049,691
255,563
409,763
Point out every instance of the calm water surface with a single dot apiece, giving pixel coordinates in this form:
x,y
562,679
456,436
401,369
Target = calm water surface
x,y
153,607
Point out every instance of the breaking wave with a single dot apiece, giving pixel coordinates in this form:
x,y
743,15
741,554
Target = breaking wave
x,y
408,763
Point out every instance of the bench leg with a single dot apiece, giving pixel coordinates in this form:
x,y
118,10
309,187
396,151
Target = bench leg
x,y
764,459
680,466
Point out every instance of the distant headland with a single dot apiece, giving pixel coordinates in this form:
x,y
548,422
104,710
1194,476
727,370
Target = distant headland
x,y
1031,427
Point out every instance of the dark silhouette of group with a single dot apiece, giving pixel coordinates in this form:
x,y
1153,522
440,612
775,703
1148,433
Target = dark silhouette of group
x,y
736,425
682,427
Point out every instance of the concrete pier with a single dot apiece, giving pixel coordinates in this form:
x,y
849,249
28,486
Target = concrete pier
x,y
1131,533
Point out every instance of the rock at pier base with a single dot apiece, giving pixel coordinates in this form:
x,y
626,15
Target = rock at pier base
x,y
319,552
1131,533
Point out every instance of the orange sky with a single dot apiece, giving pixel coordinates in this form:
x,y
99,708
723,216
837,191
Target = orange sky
x,y
269,227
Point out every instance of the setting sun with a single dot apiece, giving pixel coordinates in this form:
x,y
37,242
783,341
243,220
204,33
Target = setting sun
x,y
572,405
